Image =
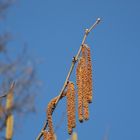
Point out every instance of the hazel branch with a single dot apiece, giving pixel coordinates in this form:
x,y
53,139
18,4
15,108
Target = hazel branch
x,y
74,60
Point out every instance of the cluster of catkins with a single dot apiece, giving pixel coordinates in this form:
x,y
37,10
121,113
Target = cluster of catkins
x,y
84,92
84,83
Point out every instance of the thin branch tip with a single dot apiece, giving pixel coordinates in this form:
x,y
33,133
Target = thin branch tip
x,y
98,20
94,25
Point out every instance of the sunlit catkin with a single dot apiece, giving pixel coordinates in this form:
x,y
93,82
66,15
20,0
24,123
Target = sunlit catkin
x,y
84,84
45,135
50,109
89,73
48,136
79,90
51,105
10,118
72,90
69,109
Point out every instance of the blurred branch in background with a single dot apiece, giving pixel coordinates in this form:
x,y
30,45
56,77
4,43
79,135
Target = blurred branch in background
x,y
18,67
4,5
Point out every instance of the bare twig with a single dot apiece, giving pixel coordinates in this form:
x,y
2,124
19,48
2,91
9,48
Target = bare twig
x,y
75,59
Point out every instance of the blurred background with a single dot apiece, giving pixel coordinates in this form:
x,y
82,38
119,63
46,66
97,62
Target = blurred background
x,y
37,42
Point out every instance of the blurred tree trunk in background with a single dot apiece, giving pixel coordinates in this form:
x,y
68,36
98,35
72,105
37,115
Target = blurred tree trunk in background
x,y
19,68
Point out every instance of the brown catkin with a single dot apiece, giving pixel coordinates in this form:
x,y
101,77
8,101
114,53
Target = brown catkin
x,y
72,105
45,135
51,105
79,90
69,109
84,84
50,109
89,73
50,136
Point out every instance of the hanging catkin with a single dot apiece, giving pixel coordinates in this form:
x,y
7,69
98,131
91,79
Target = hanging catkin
x,y
10,118
79,90
84,91
50,108
49,116
84,84
45,135
69,112
71,107
89,73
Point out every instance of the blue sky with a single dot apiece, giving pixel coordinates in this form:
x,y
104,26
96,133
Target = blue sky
x,y
53,31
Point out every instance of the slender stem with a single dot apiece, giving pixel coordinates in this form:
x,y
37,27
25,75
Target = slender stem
x,y
75,59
